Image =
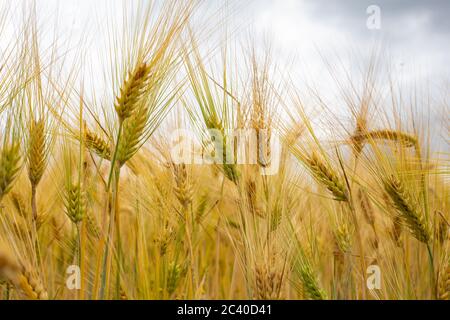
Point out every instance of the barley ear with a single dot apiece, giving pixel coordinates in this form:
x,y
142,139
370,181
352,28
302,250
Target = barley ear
x,y
75,202
402,202
311,284
9,167
405,139
326,176
97,144
444,283
133,129
36,152
20,276
131,91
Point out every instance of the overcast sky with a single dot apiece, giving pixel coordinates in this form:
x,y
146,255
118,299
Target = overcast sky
x,y
415,34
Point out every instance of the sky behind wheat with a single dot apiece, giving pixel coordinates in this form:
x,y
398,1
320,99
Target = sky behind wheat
x,y
413,34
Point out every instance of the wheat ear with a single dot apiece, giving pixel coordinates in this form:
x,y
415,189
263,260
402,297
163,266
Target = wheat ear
x,y
75,202
131,91
97,144
268,283
183,187
21,278
9,167
385,134
444,283
325,175
402,202
36,152
130,141
310,283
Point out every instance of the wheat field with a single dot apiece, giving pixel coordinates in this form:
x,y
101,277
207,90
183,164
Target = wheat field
x,y
96,204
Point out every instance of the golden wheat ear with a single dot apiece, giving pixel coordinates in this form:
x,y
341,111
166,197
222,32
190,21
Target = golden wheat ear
x,y
326,175
405,139
36,152
402,202
97,144
20,276
9,167
444,282
268,283
131,139
132,90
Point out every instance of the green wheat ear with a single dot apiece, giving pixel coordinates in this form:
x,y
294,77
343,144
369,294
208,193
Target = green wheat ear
x,y
75,202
